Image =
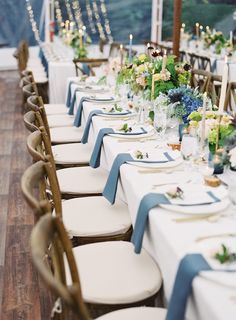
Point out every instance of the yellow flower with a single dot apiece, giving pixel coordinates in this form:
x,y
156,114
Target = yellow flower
x,y
156,77
142,57
140,69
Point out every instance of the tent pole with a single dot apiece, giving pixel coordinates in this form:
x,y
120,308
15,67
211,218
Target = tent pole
x,y
177,26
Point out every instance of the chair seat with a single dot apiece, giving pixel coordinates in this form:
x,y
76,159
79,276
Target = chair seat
x,y
139,313
66,134
111,273
82,180
94,216
60,120
72,153
51,109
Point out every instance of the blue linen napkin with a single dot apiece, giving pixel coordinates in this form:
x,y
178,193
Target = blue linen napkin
x,y
88,125
95,158
68,98
72,103
148,202
78,117
110,189
188,269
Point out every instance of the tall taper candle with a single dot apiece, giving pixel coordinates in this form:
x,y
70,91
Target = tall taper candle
x,y
121,55
203,120
130,47
164,60
197,30
224,86
231,38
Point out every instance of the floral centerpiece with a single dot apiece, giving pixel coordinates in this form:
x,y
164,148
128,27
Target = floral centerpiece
x,y
218,128
216,39
79,42
181,102
219,41
145,69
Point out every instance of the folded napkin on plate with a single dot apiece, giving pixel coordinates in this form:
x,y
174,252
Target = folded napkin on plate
x,y
88,124
190,266
95,158
152,200
78,117
110,189
68,99
72,103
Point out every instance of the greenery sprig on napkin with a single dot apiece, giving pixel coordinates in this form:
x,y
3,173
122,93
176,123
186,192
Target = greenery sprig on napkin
x,y
125,128
225,255
141,155
175,193
115,108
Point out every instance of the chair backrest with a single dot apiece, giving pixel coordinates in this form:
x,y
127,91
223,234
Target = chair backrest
x,y
200,79
35,103
114,49
89,63
214,89
41,176
50,232
30,121
230,100
34,181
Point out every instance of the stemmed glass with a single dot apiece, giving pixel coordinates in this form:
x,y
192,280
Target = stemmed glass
x,y
189,149
160,124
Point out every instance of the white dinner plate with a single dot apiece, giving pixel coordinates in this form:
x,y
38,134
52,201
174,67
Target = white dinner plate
x,y
157,155
122,114
208,248
195,193
149,132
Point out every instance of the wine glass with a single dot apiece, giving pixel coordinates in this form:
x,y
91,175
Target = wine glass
x,y
160,124
189,149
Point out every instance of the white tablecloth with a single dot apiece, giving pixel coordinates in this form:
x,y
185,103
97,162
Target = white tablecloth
x,y
166,240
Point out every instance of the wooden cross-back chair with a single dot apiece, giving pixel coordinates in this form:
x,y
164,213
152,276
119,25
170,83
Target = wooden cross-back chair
x,y
39,148
35,103
22,55
49,232
89,63
35,189
230,101
200,79
40,88
30,121
214,89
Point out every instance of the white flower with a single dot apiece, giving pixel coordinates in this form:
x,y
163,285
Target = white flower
x,y
232,158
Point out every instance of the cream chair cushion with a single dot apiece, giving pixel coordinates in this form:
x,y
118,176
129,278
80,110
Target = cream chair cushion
x,y
139,313
72,153
51,109
81,180
111,273
95,216
66,134
60,120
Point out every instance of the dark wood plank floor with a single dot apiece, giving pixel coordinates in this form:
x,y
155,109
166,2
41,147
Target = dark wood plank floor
x,y
20,296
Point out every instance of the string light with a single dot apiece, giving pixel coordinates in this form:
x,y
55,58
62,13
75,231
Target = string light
x,y
32,21
106,20
69,11
77,13
98,21
58,14
90,17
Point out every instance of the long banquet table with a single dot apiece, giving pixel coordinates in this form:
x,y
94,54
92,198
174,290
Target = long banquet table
x,y
166,240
